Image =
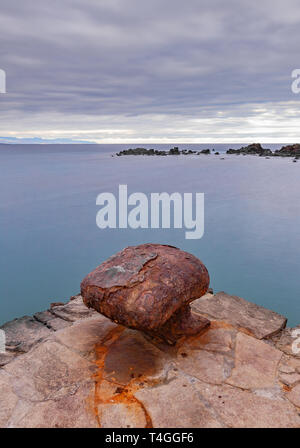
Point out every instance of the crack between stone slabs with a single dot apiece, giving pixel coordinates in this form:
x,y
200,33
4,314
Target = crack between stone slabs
x,y
76,352
63,318
12,413
45,400
275,333
249,391
277,373
233,353
207,405
103,340
46,324
17,353
260,393
11,377
241,329
229,364
20,353
234,359
31,402
228,354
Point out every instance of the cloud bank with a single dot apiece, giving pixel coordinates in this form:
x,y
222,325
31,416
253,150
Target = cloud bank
x,y
136,71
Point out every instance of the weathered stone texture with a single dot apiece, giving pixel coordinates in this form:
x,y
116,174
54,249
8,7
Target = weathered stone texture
x,y
24,333
255,363
73,310
95,373
248,317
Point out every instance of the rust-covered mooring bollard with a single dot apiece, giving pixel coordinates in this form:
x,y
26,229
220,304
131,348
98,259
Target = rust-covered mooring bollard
x,y
149,288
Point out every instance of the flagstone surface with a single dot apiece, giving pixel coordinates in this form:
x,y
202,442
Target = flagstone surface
x,y
72,367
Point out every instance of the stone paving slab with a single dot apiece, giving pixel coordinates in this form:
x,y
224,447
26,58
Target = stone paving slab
x,y
24,333
294,396
188,410
75,309
238,408
256,363
94,373
246,316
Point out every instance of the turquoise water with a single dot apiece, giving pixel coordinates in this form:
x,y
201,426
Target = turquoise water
x,y
49,239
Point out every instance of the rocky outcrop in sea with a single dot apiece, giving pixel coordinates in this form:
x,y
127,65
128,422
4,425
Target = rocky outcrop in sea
x,y
253,149
257,149
154,152
289,151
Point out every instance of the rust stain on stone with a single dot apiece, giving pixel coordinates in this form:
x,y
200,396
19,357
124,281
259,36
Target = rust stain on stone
x,y
286,388
226,325
122,392
101,352
129,357
147,288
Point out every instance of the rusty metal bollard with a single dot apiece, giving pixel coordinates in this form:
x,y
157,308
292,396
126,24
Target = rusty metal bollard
x,y
149,288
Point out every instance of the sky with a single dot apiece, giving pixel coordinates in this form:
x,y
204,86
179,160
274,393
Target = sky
x,y
125,71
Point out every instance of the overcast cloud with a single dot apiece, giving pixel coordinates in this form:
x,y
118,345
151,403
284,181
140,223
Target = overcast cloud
x,y
138,71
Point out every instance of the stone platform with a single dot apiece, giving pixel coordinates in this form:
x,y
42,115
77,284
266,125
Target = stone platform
x,y
71,367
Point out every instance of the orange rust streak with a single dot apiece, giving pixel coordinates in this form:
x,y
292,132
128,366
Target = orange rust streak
x,y
101,352
223,324
286,388
226,325
126,396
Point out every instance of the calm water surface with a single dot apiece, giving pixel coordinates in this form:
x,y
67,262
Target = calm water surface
x,y
49,239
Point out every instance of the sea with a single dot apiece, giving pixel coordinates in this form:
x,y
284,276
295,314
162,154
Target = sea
x,y
49,239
